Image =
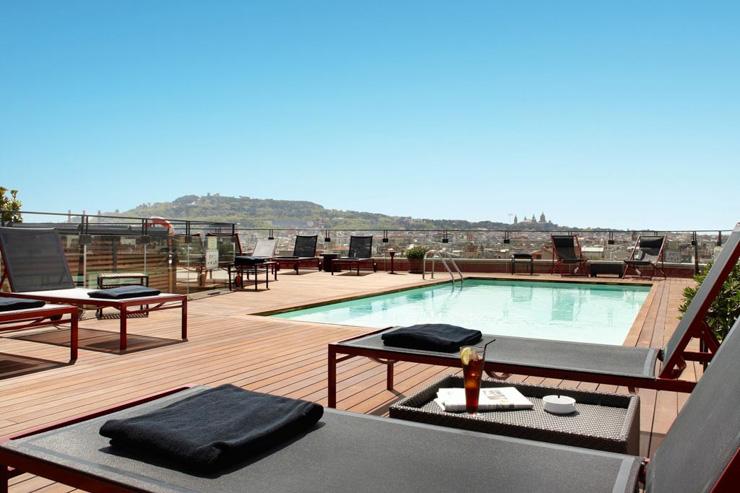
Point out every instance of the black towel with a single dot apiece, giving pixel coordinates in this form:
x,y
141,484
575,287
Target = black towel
x,y
432,337
123,292
10,304
215,428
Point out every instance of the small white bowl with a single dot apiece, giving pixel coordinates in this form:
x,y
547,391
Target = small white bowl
x,y
559,404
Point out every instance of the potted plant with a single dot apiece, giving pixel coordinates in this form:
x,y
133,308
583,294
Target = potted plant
x,y
415,256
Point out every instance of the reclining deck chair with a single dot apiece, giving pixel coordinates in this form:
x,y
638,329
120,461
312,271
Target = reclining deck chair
x,y
360,252
304,252
566,253
633,367
647,253
36,268
360,453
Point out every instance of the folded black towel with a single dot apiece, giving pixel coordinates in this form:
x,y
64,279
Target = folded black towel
x,y
215,428
123,292
432,337
10,304
249,260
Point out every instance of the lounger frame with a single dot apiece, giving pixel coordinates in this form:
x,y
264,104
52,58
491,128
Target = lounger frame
x,y
341,351
44,316
14,463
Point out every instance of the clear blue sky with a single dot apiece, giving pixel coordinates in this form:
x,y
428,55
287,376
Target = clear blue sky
x,y
618,114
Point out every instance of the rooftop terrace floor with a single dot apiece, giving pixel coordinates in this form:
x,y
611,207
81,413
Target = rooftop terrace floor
x,y
227,344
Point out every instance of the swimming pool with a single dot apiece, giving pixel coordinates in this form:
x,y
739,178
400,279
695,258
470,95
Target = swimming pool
x,y
582,312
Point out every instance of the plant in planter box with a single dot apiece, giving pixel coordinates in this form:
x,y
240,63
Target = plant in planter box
x,y
415,256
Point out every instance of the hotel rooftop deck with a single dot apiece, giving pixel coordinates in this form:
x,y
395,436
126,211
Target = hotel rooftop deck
x,y
228,344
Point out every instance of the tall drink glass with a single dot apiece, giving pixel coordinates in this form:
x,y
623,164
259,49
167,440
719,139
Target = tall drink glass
x,y
473,360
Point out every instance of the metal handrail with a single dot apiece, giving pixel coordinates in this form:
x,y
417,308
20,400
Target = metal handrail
x,y
446,259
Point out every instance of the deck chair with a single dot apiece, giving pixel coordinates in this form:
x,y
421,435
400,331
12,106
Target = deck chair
x,y
646,255
263,251
567,258
360,252
41,315
304,252
36,268
260,259
360,453
633,367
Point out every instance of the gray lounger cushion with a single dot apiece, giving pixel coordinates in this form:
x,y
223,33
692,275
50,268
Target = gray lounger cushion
x,y
357,453
601,359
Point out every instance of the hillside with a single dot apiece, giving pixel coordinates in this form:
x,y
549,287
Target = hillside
x,y
268,213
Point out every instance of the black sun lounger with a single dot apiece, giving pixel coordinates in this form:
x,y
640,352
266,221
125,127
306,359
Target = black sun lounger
x,y
304,253
358,453
566,255
615,365
360,252
36,268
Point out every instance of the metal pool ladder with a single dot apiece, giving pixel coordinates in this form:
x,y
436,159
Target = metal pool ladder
x,y
449,263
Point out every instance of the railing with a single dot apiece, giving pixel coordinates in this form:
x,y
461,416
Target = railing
x,y
179,254
446,259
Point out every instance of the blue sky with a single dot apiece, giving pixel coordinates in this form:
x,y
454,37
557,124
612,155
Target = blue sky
x,y
617,114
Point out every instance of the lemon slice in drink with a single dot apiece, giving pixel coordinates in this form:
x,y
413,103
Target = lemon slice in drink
x,y
466,354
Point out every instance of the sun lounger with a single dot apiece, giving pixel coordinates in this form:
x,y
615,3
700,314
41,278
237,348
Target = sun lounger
x,y
359,453
43,316
36,268
608,364
567,258
645,257
304,252
360,252
260,259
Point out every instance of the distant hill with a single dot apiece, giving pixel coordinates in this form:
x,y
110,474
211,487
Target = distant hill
x,y
268,213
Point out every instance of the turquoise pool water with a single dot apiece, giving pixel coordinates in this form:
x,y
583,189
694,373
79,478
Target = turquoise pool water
x,y
597,313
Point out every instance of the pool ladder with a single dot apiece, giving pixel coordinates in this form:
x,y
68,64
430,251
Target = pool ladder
x,y
449,263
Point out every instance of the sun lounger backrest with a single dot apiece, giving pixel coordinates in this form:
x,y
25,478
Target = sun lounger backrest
x,y
704,297
360,247
305,246
565,247
648,248
264,248
34,260
705,436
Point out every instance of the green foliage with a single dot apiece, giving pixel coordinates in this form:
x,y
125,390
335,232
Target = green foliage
x,y
725,309
416,252
10,206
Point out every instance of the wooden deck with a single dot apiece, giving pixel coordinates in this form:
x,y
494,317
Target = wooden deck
x,y
228,345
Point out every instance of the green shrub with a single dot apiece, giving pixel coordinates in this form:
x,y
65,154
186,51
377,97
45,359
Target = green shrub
x,y
416,252
725,309
9,206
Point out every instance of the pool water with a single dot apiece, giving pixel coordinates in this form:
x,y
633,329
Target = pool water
x,y
582,312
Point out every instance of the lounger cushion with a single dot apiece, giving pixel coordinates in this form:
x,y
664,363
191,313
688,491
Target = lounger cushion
x,y
432,337
123,292
249,260
214,429
10,304
598,359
